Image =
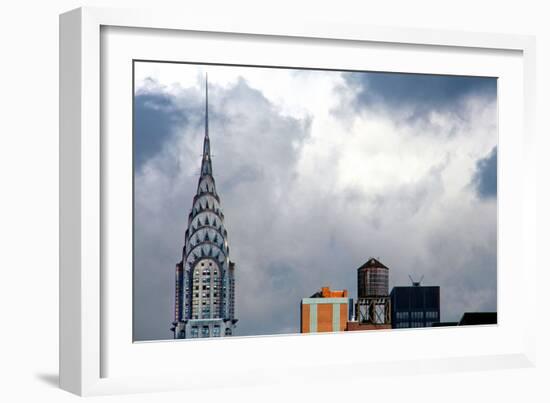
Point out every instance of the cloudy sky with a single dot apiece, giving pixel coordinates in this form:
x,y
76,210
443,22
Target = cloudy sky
x,y
317,171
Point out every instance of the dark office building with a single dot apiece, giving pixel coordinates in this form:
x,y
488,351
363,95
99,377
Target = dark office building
x,y
414,306
444,324
478,318
472,318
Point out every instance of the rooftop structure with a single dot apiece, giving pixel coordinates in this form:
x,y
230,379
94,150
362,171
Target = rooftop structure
x,y
326,292
372,279
373,304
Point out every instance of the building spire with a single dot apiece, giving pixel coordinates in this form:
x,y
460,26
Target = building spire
x,y
206,166
206,110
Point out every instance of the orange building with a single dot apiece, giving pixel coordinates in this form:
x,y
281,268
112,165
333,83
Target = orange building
x,y
326,311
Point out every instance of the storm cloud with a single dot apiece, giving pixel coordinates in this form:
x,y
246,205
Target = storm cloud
x,y
309,195
485,178
417,99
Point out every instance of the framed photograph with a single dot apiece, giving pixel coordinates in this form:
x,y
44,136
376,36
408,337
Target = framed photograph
x,y
250,203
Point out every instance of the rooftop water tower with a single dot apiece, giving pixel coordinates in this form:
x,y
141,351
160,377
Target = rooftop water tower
x,y
373,302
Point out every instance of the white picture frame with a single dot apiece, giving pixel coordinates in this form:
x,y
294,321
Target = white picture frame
x,y
93,361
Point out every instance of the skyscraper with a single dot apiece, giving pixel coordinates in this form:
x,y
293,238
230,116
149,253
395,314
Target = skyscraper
x,y
205,277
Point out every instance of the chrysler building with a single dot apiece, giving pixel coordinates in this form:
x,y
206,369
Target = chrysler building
x,y
205,277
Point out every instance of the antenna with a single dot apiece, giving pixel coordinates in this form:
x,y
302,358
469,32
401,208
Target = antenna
x,y
416,283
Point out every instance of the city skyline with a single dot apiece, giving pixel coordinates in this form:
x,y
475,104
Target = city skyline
x,y
318,171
